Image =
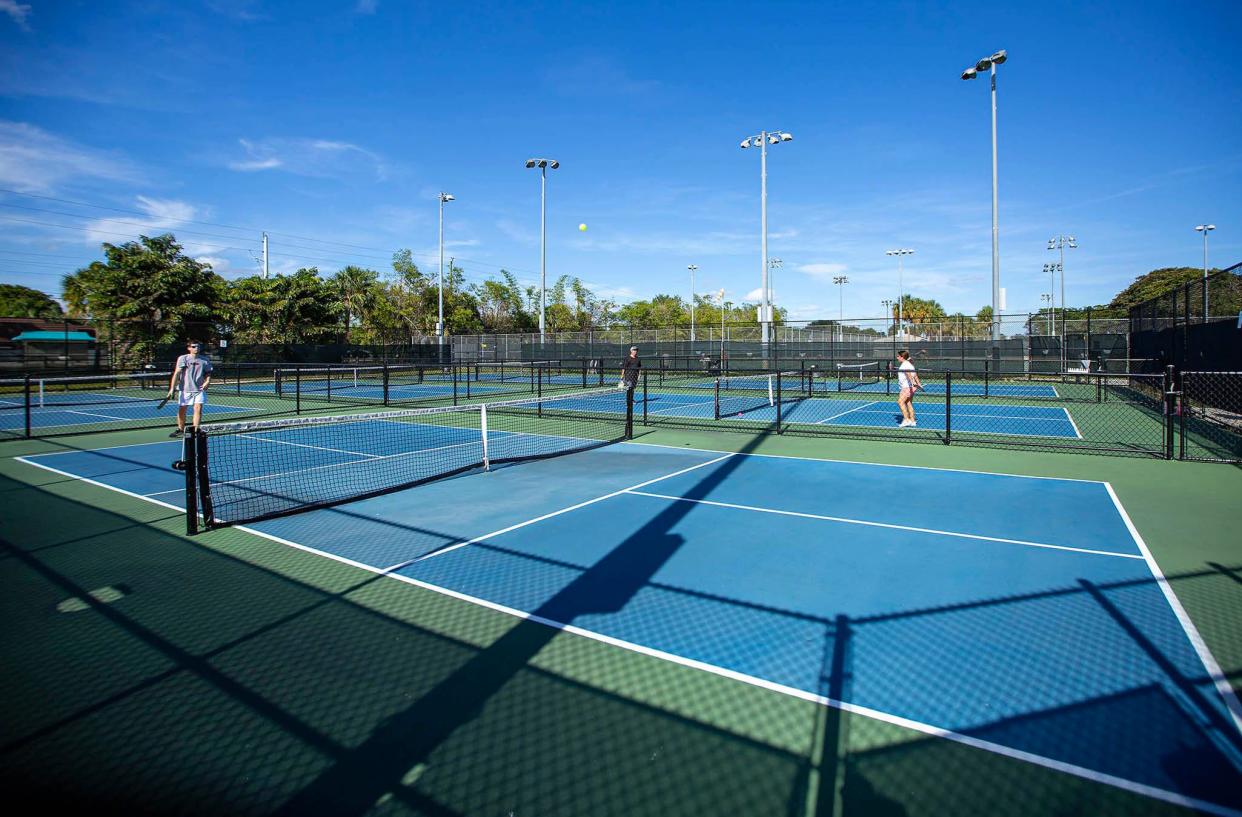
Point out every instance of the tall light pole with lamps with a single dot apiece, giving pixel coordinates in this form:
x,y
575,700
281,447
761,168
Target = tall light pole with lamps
x,y
901,292
443,197
888,310
543,165
841,281
1059,243
1205,229
773,265
692,268
761,141
971,73
1046,297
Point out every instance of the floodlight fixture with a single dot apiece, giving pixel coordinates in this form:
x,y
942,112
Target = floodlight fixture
x,y
1205,228
999,57
970,73
983,64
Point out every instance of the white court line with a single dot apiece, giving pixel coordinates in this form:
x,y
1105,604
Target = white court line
x,y
315,447
848,521
793,692
485,536
842,414
1219,679
1070,417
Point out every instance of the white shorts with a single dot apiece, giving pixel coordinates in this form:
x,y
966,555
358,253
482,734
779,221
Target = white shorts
x,y
196,398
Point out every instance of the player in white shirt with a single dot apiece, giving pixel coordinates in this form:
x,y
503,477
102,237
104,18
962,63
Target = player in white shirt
x,y
908,380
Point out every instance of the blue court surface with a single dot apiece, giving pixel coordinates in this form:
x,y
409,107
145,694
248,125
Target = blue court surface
x,y
87,409
880,412
1019,615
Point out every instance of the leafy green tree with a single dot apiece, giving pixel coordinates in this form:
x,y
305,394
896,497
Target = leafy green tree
x,y
148,292
297,308
17,301
1154,284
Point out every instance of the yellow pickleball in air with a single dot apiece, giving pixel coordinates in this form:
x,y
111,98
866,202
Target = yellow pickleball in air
x,y
582,228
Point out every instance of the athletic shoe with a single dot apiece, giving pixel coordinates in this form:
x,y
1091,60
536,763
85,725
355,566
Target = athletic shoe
x,y
904,423
914,423
176,432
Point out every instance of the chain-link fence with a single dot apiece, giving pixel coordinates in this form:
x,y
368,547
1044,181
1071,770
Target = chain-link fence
x,y
1210,416
1107,413
1195,326
39,406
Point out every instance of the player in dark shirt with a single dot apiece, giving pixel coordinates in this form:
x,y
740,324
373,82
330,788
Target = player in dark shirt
x,y
630,369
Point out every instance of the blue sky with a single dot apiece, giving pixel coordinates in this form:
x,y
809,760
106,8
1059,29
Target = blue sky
x,y
332,125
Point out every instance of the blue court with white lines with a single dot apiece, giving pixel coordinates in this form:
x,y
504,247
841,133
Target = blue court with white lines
x,y
1018,615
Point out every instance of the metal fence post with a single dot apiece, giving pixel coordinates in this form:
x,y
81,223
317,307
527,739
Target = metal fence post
x,y
26,401
948,406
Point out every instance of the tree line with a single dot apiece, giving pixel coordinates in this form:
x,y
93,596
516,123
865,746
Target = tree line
x,y
151,286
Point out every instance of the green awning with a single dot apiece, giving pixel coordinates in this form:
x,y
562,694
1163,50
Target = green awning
x,y
72,337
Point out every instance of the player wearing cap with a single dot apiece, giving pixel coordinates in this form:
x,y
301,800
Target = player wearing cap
x,y
193,375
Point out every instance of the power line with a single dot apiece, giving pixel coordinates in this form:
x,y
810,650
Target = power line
x,y
224,226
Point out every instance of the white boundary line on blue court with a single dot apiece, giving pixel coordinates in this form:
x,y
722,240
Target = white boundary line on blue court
x,y
477,539
849,521
1070,417
885,717
1217,675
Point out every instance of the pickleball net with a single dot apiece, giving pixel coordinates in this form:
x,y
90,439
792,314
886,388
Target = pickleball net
x,y
737,395
245,472
858,375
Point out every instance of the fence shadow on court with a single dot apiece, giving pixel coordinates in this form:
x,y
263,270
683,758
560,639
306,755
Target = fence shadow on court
x,y
244,677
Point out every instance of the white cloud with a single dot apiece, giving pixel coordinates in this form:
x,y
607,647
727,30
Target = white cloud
x,y
218,264
822,270
319,158
18,11
754,296
35,161
162,214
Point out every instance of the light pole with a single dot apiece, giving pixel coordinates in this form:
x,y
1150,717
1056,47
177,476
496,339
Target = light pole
x,y
720,298
443,197
901,292
1059,243
1205,229
888,310
773,265
841,281
761,141
970,73
1052,269
543,165
1046,297
692,268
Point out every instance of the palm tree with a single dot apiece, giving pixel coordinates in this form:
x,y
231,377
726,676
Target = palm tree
x,y
355,293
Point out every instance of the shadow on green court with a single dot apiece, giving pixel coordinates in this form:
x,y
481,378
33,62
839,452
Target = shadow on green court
x,y
233,675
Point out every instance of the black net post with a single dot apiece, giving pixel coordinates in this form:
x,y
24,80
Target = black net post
x,y
717,399
386,381
584,373
629,414
778,402
948,407
201,475
467,379
645,397
1181,417
453,371
297,389
189,461
26,402
328,388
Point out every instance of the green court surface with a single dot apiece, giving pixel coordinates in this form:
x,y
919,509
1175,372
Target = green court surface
x,y
149,672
